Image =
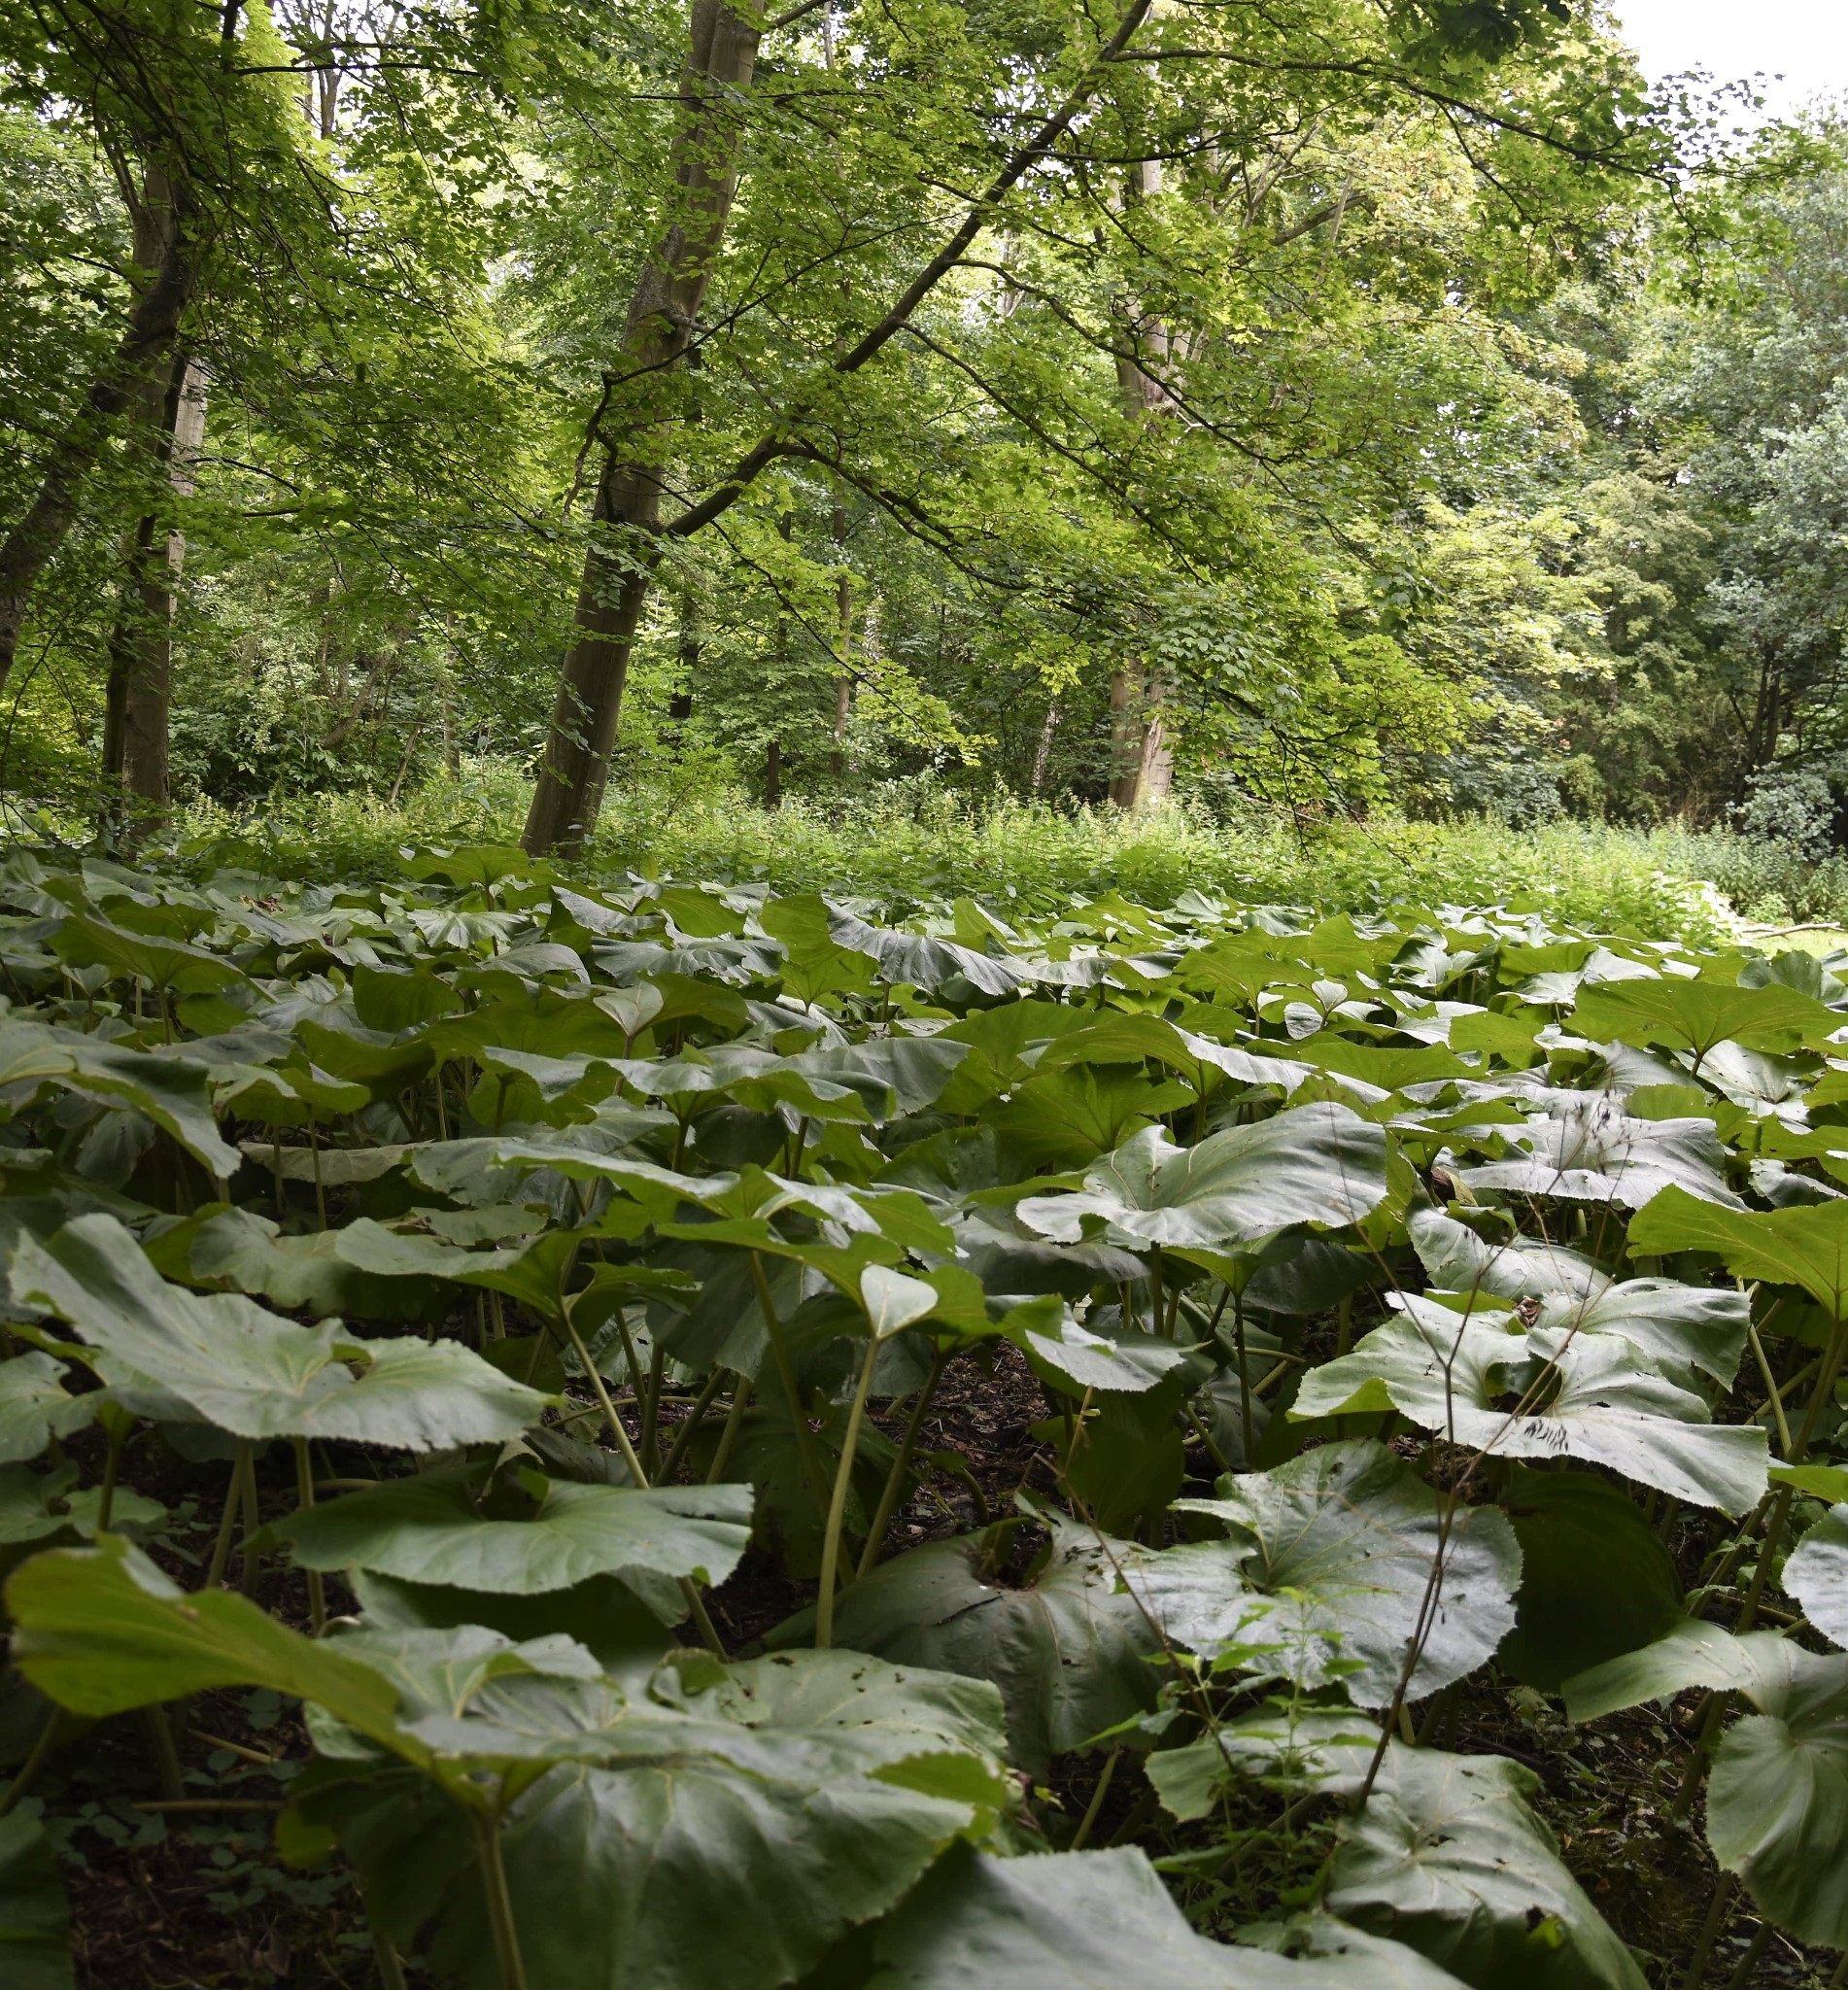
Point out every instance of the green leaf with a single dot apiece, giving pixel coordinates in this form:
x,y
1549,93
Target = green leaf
x,y
85,941
1593,1152
1595,1580
1288,1745
429,1528
1448,1857
1691,1653
34,1407
769,1814
1069,1651
1596,1398
1777,1796
35,1917
624,1638
1458,1260
254,1374
915,961
172,1094
1004,1044
893,1300
1096,1921
394,999
1671,1321
102,1630
238,1247
1325,1573
1678,1325
815,963
1128,1460
1815,1574
1316,1165
1064,1119
1696,1015
1807,1246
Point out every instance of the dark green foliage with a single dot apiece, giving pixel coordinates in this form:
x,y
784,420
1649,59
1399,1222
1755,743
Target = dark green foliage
x,y
685,1185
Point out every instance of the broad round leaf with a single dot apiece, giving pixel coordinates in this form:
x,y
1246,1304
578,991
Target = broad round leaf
x,y
1817,1574
428,1529
1326,1576
1448,1857
254,1374
1316,1165
1595,1580
34,1407
1067,1650
1777,1798
1097,1921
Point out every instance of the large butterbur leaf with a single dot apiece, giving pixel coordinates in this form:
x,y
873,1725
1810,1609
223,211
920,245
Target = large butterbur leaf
x,y
1595,1579
1448,1857
1069,1649
34,1914
1483,1382
35,1407
1325,1574
1696,1015
1777,1795
1690,1325
1316,1165
730,1833
768,1806
1806,1246
171,1093
1817,1575
233,1363
1096,1921
102,1630
430,1529
1591,1151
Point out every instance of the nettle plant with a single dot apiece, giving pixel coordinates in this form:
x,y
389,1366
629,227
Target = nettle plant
x,y
1418,1303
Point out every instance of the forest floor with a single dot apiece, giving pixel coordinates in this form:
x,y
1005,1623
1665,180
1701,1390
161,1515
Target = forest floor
x,y
182,1888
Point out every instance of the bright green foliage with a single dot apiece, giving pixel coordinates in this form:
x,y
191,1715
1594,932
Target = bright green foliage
x,y
667,1214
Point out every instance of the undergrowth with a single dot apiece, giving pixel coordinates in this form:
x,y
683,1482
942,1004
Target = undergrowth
x,y
912,842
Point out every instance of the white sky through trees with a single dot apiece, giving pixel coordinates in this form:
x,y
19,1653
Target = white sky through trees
x,y
1806,41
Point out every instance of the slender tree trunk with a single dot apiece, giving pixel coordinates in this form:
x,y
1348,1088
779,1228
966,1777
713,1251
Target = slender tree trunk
x,y
773,774
1126,735
620,562
1142,760
452,758
1042,752
843,676
146,698
139,358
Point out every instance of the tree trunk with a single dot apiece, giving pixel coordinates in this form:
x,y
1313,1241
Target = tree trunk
x,y
619,564
1141,760
452,758
140,700
139,359
1042,752
773,774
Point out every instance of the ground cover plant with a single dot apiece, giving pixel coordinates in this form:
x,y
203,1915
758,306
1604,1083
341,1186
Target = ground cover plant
x,y
908,843
678,1435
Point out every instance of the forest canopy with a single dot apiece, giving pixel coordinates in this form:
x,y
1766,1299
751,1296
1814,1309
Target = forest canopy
x,y
1332,406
